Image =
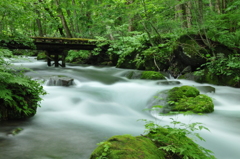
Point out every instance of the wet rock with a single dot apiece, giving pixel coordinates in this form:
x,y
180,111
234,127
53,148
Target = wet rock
x,y
133,75
168,82
158,104
206,89
60,81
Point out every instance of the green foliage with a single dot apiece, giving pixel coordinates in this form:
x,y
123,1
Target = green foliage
x,y
106,146
128,48
175,140
223,67
77,56
19,95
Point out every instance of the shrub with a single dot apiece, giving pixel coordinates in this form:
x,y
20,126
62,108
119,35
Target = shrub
x,y
19,95
175,141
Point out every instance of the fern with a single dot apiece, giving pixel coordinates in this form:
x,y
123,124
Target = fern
x,y
19,95
175,141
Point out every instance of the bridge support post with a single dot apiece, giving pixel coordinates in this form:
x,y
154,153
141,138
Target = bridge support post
x,y
53,55
48,58
56,59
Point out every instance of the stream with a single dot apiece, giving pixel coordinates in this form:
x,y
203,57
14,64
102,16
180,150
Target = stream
x,y
102,103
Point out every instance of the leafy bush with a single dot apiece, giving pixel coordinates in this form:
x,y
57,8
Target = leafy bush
x,y
19,95
175,140
76,56
225,69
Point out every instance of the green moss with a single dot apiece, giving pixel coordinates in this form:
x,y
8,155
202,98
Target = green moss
x,y
199,104
177,93
152,75
208,77
179,142
187,98
128,147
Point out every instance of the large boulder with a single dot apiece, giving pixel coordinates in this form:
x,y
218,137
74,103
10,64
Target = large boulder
x,y
159,143
176,93
182,99
176,143
128,147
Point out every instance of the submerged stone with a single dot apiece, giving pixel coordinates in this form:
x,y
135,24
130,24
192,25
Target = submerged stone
x,y
168,82
206,89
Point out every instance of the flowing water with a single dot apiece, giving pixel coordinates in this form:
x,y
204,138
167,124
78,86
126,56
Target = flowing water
x,y
103,103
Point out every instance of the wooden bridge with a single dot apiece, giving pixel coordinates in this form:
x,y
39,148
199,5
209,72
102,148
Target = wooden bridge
x,y
56,48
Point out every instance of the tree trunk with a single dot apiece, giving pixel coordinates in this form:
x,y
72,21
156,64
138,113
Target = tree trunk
x,y
179,12
200,13
210,5
75,22
39,25
63,20
131,19
217,6
188,14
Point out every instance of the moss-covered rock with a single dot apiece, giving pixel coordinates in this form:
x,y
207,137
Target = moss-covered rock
x,y
200,104
184,98
159,143
177,93
153,75
187,98
178,141
128,147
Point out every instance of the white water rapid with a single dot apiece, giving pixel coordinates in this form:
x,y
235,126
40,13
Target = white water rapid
x,y
103,103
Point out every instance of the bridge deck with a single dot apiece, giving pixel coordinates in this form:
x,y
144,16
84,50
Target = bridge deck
x,y
64,40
